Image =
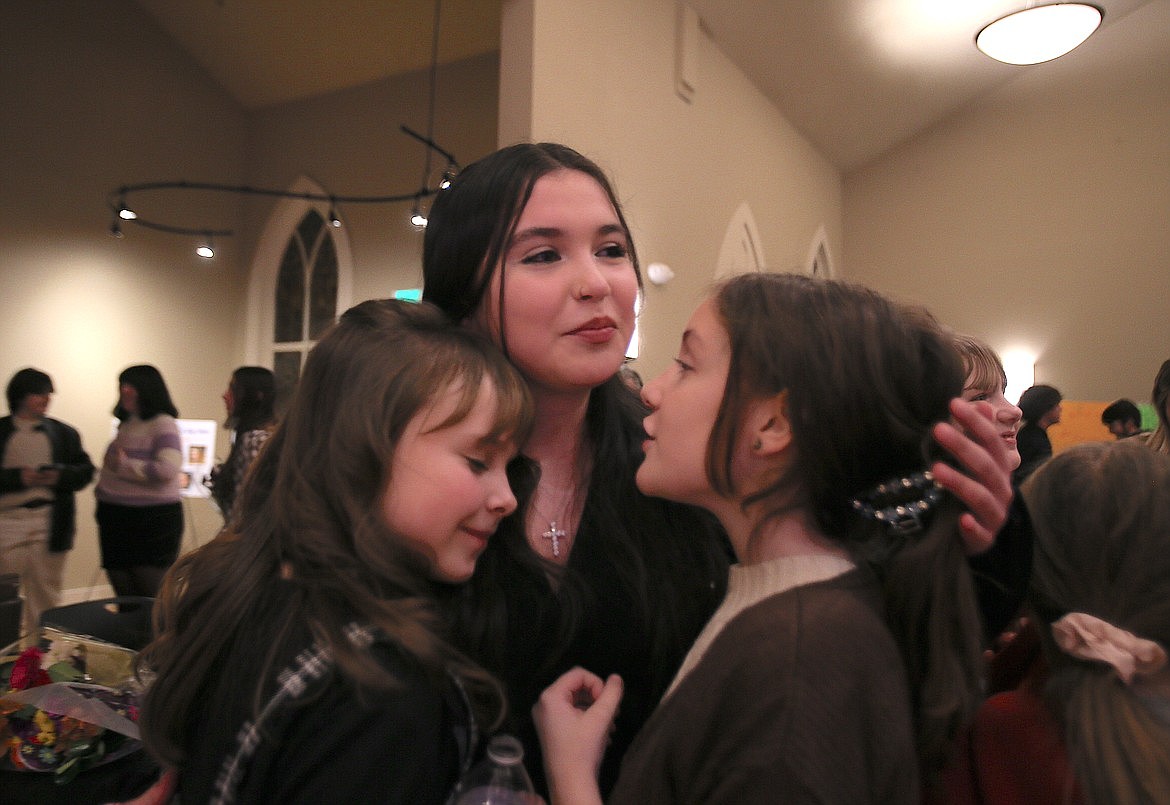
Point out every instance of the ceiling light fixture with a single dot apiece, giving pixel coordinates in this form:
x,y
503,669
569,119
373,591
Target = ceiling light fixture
x,y
117,200
1039,33
448,176
124,212
417,219
205,249
416,215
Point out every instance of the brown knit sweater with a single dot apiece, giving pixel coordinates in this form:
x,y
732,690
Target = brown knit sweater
x,y
800,698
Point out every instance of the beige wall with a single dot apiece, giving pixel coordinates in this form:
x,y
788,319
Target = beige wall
x,y
1011,222
681,169
1039,224
350,142
93,99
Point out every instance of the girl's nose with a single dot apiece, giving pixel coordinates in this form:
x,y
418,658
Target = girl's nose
x,y
591,284
502,500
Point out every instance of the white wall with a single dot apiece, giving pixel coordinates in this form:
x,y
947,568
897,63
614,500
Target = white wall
x,y
1042,225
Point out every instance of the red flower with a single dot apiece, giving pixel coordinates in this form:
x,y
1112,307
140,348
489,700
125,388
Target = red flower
x,y
27,672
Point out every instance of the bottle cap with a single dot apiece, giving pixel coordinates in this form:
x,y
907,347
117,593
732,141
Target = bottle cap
x,y
505,750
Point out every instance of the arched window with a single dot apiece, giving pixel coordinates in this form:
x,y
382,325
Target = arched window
x,y
301,282
742,250
305,301
820,263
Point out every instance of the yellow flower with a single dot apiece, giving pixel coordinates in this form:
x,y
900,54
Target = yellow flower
x,y
48,734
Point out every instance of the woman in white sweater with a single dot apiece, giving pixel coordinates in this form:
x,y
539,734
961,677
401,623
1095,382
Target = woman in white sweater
x,y
139,514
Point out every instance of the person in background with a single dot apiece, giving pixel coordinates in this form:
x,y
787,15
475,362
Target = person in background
x,y
1123,418
250,400
1159,439
1001,572
1040,405
847,651
139,513
1090,723
530,245
42,466
302,656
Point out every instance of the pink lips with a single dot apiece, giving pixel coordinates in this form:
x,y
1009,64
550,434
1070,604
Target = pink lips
x,y
596,331
480,535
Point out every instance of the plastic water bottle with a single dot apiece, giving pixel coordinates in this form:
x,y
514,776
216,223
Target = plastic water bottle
x,y
498,779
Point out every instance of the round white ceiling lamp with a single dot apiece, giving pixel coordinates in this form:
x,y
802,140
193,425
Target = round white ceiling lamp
x,y
1040,33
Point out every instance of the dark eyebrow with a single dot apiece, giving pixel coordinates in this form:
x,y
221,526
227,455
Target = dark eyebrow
x,y
553,232
537,232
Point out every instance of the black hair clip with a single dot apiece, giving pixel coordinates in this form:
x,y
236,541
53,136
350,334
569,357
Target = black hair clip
x,y
900,503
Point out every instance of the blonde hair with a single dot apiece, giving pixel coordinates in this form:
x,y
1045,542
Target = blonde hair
x,y
980,362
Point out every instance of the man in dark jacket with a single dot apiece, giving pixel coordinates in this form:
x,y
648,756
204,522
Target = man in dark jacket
x,y
42,465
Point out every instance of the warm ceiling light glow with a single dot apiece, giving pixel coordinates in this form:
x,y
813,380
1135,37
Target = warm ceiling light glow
x,y
1019,364
1040,33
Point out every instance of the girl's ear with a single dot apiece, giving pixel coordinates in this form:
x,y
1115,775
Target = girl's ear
x,y
771,427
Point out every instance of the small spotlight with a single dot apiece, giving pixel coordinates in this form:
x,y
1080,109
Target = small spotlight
x,y
334,221
205,249
116,229
124,212
448,177
416,217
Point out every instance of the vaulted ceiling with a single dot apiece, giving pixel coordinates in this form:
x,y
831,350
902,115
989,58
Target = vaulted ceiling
x,y
857,77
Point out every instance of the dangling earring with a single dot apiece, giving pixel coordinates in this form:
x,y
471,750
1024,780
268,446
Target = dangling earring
x,y
757,444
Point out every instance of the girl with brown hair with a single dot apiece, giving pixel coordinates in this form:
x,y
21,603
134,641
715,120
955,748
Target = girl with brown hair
x,y
301,656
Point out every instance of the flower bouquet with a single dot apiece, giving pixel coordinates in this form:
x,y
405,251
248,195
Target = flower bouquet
x,y
52,721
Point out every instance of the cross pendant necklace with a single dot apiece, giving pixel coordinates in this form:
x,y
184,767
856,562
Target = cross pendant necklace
x,y
554,535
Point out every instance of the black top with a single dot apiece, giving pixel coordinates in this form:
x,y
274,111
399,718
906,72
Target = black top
x,y
612,637
643,578
1035,448
1002,573
333,741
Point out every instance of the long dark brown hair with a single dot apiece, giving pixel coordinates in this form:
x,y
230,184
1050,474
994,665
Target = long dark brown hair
x,y
866,380
468,231
310,518
254,393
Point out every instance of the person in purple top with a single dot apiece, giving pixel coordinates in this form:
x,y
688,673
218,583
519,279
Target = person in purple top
x,y
139,514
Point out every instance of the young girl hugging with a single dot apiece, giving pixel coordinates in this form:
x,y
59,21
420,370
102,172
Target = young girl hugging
x,y
804,414
300,656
